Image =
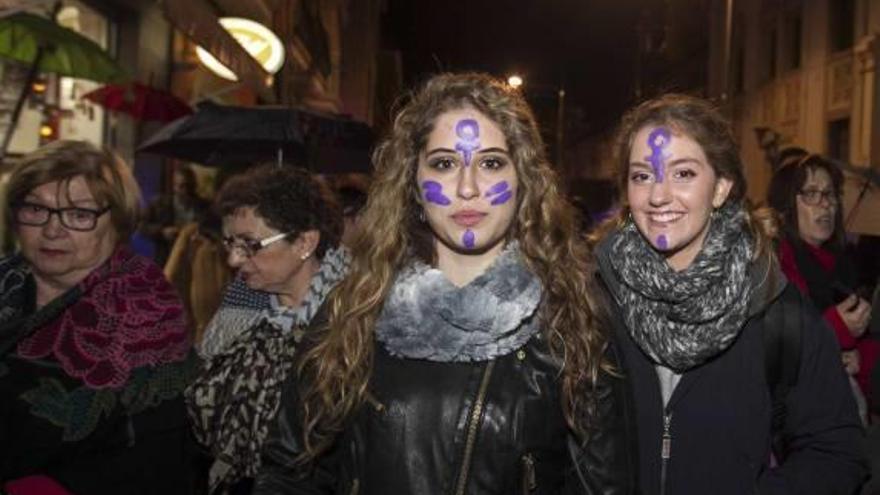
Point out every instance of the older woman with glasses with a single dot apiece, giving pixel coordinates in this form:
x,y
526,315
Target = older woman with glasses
x,y
281,229
94,349
806,191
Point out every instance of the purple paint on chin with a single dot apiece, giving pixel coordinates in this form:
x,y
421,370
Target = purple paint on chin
x,y
662,243
434,193
503,198
468,239
468,132
658,141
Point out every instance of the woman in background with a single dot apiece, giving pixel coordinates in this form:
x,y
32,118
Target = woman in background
x,y
94,348
806,193
281,229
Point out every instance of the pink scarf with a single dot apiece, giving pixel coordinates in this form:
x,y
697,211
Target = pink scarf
x,y
127,316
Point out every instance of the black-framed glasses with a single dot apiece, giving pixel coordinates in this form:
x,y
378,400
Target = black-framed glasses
x,y
249,247
73,218
813,197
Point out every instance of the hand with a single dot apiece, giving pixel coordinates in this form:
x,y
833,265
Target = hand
x,y
169,233
851,361
855,313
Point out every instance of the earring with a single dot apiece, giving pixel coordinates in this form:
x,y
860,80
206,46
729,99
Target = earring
x,y
305,256
422,216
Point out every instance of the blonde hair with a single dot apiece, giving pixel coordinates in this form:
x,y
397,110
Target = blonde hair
x,y
107,176
335,373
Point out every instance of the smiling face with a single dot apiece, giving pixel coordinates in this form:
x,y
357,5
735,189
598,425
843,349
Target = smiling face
x,y
816,222
468,183
58,255
672,190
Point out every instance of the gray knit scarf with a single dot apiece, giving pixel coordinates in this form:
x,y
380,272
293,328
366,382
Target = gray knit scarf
x,y
683,319
242,307
427,317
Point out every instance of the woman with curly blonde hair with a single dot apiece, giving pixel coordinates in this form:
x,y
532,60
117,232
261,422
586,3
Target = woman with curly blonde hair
x,y
463,353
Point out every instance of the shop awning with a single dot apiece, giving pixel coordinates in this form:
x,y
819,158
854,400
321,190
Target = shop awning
x,y
197,20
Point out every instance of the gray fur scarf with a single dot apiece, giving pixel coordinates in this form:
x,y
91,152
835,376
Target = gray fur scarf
x,y
683,319
427,317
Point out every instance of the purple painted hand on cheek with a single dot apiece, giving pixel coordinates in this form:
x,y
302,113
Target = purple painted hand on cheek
x,y
658,141
468,239
434,193
501,192
468,133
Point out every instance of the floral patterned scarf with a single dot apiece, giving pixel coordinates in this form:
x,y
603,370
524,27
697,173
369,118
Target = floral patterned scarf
x,y
122,316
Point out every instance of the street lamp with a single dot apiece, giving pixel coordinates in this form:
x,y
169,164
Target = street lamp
x,y
516,81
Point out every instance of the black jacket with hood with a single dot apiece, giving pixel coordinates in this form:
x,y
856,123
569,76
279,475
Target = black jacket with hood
x,y
719,414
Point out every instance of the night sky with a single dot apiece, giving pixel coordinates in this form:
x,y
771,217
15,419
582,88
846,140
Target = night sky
x,y
587,45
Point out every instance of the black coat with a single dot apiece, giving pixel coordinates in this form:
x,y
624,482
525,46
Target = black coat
x,y
416,437
720,416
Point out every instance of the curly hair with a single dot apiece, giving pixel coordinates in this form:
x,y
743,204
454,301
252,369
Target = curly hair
x,y
786,184
289,199
704,123
335,373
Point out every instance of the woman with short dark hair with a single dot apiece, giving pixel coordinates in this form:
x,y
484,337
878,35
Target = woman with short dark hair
x,y
281,229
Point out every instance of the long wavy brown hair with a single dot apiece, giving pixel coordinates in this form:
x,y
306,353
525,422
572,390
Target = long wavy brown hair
x,y
705,124
335,373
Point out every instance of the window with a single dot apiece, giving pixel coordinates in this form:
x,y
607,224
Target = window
x,y
841,18
838,139
769,47
791,42
80,119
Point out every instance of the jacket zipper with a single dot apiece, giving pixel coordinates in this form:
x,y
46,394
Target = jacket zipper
x,y
665,449
473,425
529,483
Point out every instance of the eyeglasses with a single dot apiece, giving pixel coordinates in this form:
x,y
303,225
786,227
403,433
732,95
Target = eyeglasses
x,y
813,197
249,247
73,218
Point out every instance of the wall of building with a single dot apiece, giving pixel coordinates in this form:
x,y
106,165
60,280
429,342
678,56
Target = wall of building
x,y
799,82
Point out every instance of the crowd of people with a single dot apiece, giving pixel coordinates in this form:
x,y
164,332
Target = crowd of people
x,y
451,329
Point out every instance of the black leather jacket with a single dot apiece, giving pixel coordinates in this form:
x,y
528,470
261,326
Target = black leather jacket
x,y
453,428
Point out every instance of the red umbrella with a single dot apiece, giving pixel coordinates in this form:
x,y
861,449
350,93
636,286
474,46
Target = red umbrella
x,y
140,101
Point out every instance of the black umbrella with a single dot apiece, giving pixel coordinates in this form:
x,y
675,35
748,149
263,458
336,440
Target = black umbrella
x,y
229,136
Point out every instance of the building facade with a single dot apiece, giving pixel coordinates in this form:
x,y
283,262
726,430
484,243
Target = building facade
x,y
805,72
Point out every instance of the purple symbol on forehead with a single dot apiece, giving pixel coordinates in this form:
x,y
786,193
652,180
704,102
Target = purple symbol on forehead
x,y
468,133
662,243
468,239
658,141
501,191
434,193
